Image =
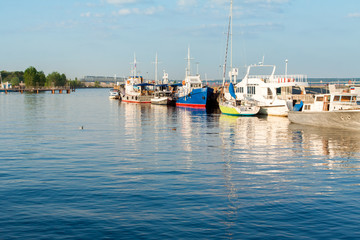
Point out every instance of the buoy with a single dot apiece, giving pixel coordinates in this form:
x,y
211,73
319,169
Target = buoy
x,y
81,127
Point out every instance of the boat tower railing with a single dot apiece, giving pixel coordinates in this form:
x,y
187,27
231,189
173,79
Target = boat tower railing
x,y
281,78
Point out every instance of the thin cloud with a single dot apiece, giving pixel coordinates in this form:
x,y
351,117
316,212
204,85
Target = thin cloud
x,y
186,3
146,11
120,2
353,15
89,14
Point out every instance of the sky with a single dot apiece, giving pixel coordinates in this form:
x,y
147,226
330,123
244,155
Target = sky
x,y
319,38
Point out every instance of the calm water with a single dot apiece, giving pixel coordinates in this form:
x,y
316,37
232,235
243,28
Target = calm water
x,y
153,172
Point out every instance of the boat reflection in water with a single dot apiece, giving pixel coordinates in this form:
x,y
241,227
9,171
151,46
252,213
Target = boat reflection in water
x,y
331,142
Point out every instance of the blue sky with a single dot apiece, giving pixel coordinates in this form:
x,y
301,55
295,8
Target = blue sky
x,y
320,38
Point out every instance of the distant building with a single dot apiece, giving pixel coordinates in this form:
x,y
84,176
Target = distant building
x,y
6,85
102,79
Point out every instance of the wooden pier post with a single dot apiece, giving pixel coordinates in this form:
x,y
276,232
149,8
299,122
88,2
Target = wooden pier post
x,y
60,91
53,91
68,91
5,91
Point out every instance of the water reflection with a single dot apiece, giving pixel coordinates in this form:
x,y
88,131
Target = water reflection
x,y
325,141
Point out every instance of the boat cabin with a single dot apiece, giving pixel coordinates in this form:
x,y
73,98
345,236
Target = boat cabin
x,y
192,82
332,102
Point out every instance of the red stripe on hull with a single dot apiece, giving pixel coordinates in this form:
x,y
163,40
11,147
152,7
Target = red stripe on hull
x,y
191,105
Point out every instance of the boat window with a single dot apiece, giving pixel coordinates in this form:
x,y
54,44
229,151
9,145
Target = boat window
x,y
278,91
345,98
336,98
307,107
320,99
251,90
240,89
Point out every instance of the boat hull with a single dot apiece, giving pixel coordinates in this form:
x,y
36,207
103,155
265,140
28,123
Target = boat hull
x,y
238,111
198,98
136,99
162,101
274,110
346,119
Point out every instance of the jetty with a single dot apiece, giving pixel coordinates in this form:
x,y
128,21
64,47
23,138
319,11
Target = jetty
x,y
37,90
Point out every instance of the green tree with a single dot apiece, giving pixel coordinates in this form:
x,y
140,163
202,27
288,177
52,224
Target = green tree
x,y
30,76
40,79
15,81
62,81
76,83
97,84
56,79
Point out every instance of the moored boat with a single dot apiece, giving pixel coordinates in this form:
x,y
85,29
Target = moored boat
x,y
136,90
162,93
235,107
273,92
192,93
114,94
231,105
339,110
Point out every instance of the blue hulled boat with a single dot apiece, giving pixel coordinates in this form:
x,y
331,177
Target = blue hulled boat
x,y
192,93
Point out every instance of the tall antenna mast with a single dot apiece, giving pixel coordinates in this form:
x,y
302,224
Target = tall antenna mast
x,y
156,68
135,65
188,72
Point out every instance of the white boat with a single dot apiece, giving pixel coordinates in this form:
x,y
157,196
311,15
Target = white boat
x,y
163,98
114,94
338,110
231,105
136,90
273,92
162,94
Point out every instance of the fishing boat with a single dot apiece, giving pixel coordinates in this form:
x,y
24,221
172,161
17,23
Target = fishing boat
x,y
193,93
230,105
114,94
163,95
136,90
273,92
339,110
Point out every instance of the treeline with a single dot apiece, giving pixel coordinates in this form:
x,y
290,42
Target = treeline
x,y
34,78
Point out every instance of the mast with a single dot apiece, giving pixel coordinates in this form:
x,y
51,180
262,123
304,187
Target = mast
x,y
227,44
156,68
231,34
188,72
135,65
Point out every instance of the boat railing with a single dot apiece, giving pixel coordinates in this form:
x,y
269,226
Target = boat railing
x,y
289,78
280,78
